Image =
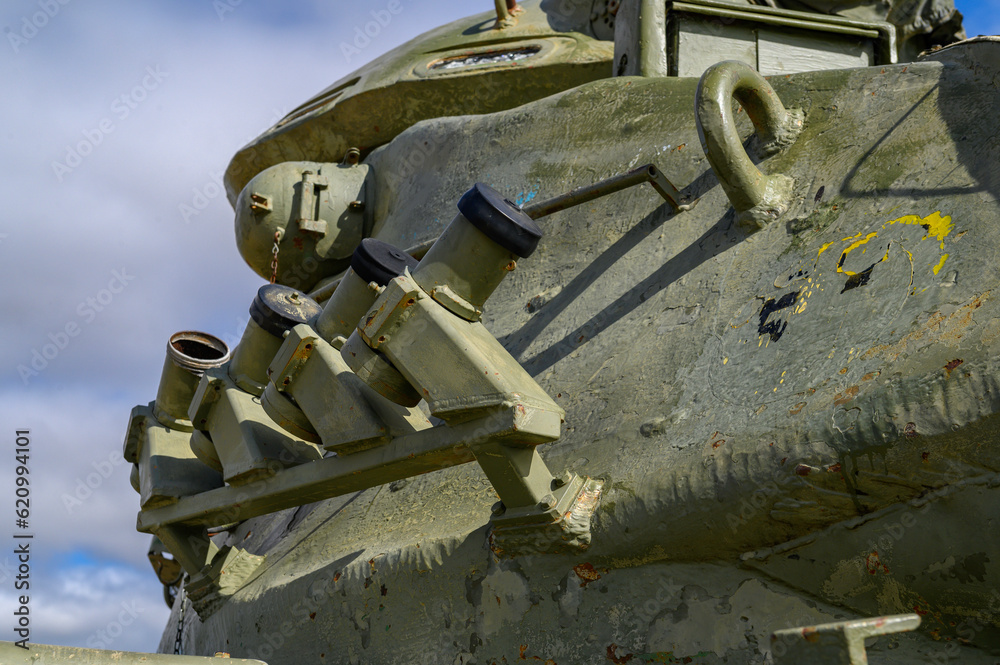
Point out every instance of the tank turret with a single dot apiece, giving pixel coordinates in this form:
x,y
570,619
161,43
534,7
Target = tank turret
x,y
503,401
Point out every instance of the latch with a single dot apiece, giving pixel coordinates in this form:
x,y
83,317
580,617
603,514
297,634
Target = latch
x,y
309,191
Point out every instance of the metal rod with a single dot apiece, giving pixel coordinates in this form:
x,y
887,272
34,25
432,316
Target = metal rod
x,y
648,173
503,13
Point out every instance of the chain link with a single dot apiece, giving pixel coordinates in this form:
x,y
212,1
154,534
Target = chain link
x,y
274,257
179,638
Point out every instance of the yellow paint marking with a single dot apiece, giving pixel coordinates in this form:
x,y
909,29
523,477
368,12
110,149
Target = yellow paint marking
x,y
854,245
937,226
725,360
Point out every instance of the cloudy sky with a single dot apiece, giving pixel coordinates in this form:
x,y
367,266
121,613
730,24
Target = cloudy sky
x,y
116,118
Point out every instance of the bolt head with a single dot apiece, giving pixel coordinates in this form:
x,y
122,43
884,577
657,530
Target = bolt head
x,y
548,501
562,480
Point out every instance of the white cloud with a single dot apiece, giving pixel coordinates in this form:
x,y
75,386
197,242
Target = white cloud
x,y
217,84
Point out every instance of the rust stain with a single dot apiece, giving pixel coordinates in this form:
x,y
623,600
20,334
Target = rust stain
x,y
871,375
586,572
521,650
924,455
616,659
938,328
802,470
586,503
834,468
910,431
795,410
952,365
874,564
846,396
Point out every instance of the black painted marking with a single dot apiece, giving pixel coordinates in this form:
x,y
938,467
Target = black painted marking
x,y
862,278
777,327
859,279
819,193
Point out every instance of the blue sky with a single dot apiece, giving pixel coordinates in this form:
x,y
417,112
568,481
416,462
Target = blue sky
x,y
160,95
103,266
981,17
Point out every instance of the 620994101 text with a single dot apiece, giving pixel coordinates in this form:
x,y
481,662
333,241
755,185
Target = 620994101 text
x,y
22,537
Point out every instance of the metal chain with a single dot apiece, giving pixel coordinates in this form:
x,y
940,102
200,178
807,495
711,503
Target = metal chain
x,y
179,638
274,257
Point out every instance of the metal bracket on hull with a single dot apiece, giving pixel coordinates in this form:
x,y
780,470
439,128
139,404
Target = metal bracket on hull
x,y
839,643
409,337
